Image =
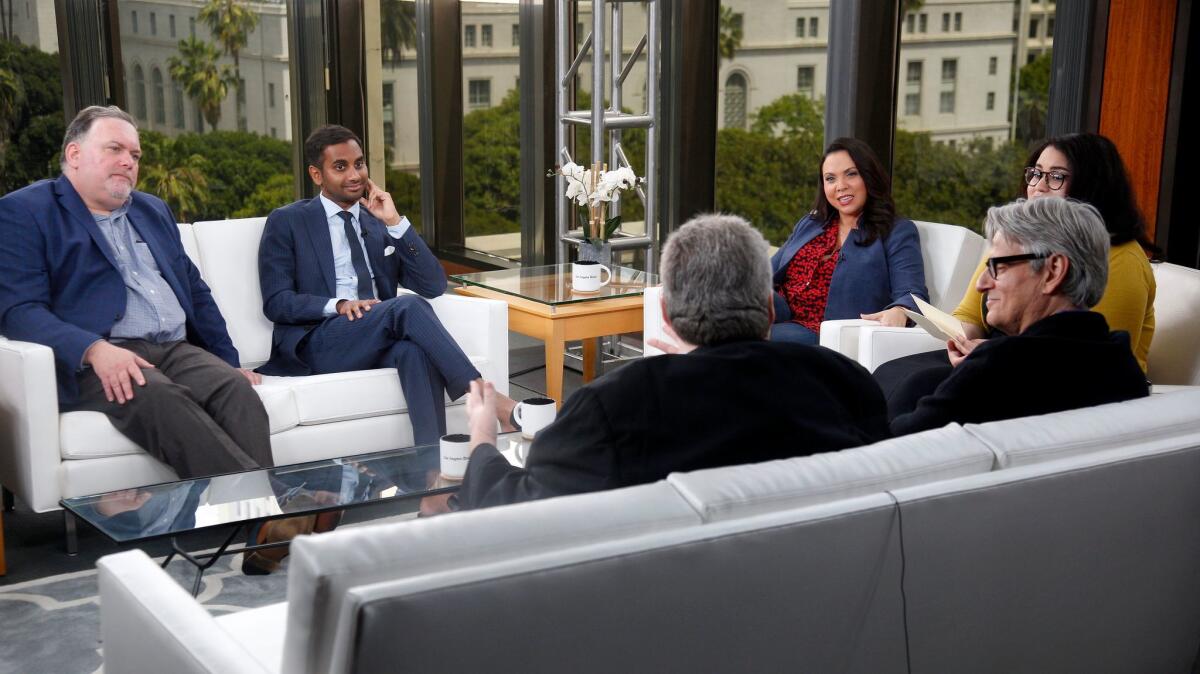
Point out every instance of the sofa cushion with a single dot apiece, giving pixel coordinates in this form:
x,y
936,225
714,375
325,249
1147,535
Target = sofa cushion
x,y
1160,421
260,631
738,491
341,396
324,566
90,435
229,250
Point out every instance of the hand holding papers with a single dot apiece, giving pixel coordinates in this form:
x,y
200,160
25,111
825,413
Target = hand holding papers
x,y
937,322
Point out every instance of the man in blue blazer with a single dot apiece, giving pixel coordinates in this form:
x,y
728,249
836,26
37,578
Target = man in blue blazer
x,y
96,271
329,269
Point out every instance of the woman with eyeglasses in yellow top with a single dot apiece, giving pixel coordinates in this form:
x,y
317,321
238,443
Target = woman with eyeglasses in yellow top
x,y
1086,167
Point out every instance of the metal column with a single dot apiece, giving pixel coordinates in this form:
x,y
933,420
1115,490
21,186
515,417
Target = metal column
x,y
606,124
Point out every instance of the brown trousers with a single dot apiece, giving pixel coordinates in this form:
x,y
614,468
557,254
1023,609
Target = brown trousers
x,y
195,413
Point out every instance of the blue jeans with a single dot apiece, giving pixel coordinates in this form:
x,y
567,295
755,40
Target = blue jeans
x,y
794,332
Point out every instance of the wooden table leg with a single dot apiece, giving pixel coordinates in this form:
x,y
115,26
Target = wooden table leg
x,y
591,358
555,345
3,568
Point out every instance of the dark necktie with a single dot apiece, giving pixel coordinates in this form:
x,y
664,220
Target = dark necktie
x,y
365,292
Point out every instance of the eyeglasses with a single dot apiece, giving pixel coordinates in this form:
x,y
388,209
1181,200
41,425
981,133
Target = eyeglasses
x,y
993,263
1054,179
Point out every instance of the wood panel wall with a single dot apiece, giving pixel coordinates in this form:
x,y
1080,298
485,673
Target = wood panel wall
x,y
1137,78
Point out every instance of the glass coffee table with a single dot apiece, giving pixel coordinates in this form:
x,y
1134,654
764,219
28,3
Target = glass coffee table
x,y
238,501
543,305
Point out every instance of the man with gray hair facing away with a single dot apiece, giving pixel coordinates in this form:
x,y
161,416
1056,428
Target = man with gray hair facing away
x,y
1048,267
734,398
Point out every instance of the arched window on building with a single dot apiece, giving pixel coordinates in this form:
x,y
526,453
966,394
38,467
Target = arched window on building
x,y
159,96
735,101
177,104
139,92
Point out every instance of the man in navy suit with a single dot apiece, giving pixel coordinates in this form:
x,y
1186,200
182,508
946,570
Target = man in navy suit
x,y
329,268
96,271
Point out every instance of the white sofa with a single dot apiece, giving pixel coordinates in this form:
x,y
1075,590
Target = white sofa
x,y
1064,542
46,456
950,254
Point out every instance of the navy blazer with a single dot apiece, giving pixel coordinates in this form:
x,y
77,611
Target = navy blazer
x,y
295,270
866,279
59,282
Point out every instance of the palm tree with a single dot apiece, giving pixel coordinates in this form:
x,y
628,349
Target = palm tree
x,y
729,39
203,80
231,22
177,180
12,98
399,29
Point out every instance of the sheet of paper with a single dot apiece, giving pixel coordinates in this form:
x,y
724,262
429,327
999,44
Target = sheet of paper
x,y
935,321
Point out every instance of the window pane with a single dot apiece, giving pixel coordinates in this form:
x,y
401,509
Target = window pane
x,y
401,127
243,171
960,142
770,136
31,124
491,135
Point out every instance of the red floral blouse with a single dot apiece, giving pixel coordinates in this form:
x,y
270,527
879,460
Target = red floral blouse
x,y
806,283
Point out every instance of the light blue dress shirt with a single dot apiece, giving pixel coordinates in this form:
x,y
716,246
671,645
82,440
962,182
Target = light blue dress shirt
x,y
345,279
152,311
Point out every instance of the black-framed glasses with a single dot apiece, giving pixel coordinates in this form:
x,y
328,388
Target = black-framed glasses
x,y
993,263
1054,179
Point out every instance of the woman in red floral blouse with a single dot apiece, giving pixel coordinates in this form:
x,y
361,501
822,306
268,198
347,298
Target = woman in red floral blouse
x,y
818,278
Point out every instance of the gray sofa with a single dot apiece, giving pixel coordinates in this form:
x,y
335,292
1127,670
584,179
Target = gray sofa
x,y
1066,542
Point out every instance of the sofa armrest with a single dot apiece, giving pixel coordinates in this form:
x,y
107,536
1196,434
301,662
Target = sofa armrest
x,y
150,624
878,344
842,335
652,320
480,326
29,448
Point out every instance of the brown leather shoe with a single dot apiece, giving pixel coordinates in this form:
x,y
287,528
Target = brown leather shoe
x,y
262,562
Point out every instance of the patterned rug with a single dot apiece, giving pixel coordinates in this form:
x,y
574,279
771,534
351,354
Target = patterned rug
x,y
52,624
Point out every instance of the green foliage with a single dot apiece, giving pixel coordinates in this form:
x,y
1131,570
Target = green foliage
x,y
730,38
1033,98
398,30
174,176
203,80
275,192
231,22
31,117
405,189
238,163
940,183
492,165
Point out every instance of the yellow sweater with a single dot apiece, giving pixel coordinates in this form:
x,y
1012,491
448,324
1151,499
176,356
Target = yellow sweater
x,y
1127,304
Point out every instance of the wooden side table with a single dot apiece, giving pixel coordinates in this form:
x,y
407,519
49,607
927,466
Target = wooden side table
x,y
542,305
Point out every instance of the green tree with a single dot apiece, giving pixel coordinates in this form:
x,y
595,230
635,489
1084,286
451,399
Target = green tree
x,y
231,22
492,156
276,191
405,189
399,28
729,40
175,177
1033,98
238,164
203,80
31,123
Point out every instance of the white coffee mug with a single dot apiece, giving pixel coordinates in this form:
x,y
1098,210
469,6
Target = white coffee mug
x,y
456,452
585,276
534,414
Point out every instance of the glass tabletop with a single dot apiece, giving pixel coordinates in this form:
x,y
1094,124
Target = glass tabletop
x,y
173,508
551,284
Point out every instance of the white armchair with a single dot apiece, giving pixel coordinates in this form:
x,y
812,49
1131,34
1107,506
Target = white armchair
x,y
1174,358
950,253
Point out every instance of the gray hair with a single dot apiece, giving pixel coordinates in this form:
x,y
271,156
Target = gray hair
x,y
1068,227
717,280
79,127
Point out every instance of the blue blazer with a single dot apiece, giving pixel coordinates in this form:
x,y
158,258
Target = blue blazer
x,y
866,279
295,270
59,283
